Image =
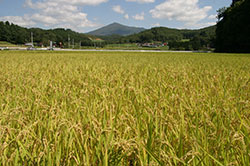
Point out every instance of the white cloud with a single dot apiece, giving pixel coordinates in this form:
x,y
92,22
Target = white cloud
x,y
22,21
141,1
186,11
118,9
81,2
56,13
139,16
156,25
212,17
126,16
66,2
200,25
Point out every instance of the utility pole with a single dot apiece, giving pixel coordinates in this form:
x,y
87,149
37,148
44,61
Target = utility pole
x,y
31,39
68,41
51,45
73,42
80,44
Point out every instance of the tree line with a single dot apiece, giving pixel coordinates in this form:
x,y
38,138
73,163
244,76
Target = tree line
x,y
19,35
176,39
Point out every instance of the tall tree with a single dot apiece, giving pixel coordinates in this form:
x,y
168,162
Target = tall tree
x,y
234,1
233,29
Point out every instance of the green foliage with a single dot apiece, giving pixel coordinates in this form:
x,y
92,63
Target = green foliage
x,y
19,35
110,38
196,39
124,108
13,33
233,33
221,13
156,34
6,44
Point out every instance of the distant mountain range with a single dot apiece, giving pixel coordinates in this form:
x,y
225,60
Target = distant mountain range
x,y
111,34
116,29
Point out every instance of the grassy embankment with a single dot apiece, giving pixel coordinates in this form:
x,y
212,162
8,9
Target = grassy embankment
x,y
6,44
132,46
124,108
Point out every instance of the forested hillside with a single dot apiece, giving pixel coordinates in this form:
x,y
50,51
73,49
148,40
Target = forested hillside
x,y
177,39
19,35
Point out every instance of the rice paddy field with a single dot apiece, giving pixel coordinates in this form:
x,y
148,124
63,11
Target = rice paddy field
x,y
124,108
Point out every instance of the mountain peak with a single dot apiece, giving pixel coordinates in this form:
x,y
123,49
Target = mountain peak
x,y
116,29
115,23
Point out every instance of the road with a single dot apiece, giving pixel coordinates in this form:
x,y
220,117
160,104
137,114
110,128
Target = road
x,y
99,50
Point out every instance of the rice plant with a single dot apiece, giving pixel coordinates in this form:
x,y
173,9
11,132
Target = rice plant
x,y
114,108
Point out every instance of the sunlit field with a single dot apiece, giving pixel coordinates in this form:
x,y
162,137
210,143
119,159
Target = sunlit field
x,y
114,108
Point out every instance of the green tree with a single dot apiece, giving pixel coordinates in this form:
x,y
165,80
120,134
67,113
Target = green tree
x,y
233,34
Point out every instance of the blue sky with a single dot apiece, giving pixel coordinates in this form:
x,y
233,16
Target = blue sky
x,y
86,15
